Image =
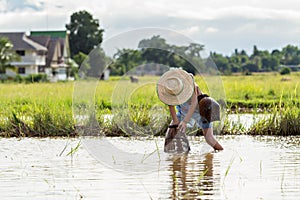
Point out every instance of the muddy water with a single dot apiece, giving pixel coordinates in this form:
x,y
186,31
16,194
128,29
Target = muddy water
x,y
248,168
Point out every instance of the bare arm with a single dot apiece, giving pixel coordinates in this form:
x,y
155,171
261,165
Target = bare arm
x,y
194,102
173,115
192,108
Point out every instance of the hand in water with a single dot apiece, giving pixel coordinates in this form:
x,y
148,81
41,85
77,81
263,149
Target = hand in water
x,y
182,126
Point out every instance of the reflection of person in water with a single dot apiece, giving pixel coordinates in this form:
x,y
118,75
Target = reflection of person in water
x,y
191,180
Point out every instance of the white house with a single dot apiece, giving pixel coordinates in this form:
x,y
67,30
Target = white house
x,y
43,52
58,57
32,54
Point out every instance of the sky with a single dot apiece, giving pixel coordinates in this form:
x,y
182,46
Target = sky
x,y
220,25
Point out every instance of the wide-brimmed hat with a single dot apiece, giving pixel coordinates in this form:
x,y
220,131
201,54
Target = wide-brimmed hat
x,y
175,87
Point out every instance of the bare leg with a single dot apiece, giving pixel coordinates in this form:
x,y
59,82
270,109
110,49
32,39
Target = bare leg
x,y
210,139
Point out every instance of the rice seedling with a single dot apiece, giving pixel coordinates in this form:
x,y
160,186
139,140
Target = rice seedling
x,y
46,109
284,120
228,169
65,147
260,167
282,181
150,154
157,149
74,150
114,160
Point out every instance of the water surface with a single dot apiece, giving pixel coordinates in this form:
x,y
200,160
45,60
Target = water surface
x,y
249,168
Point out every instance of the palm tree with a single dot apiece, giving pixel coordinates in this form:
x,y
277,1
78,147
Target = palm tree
x,y
6,53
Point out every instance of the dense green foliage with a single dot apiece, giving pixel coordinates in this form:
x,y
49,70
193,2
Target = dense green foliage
x,y
188,58
157,51
85,32
258,61
285,71
6,54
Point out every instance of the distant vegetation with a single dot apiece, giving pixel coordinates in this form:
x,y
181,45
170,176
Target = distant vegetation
x,y
86,34
180,56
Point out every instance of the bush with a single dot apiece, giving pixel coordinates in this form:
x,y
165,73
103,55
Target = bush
x,y
247,73
24,79
36,78
3,77
285,70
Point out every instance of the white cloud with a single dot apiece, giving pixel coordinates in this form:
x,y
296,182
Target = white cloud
x,y
3,5
34,3
191,31
37,21
222,24
211,30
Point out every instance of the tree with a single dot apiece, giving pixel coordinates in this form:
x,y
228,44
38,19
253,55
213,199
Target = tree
x,y
255,51
125,60
250,67
155,50
85,33
194,49
6,54
194,61
237,60
160,52
222,63
270,63
291,55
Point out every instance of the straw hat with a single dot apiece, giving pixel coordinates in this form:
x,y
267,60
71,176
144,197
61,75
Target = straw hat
x,y
175,87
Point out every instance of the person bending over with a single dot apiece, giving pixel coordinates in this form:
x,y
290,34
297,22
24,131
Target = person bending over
x,y
177,88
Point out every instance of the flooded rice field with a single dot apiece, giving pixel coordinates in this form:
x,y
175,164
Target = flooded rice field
x,y
93,168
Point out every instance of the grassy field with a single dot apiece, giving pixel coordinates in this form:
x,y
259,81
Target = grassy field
x,y
261,90
239,90
43,109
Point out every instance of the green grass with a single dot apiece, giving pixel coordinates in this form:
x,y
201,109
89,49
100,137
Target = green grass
x,y
261,90
45,109
249,91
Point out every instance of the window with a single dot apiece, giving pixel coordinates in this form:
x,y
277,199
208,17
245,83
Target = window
x,y
21,70
20,52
